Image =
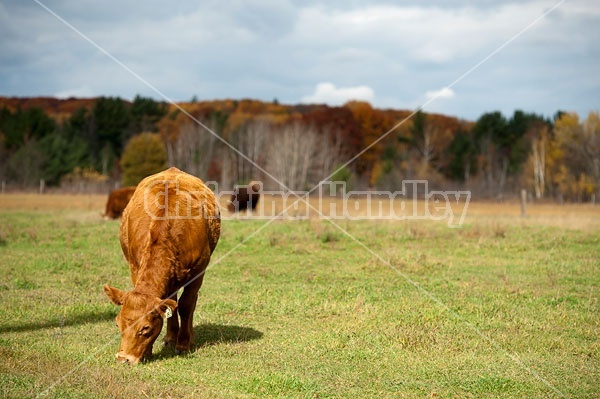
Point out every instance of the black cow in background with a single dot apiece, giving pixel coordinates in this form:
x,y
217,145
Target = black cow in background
x,y
245,197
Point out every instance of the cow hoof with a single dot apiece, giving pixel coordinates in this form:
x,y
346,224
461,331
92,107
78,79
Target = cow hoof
x,y
181,349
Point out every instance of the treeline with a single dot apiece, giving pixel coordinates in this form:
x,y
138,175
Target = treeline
x,y
82,142
36,144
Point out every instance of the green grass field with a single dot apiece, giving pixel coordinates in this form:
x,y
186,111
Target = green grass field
x,y
501,308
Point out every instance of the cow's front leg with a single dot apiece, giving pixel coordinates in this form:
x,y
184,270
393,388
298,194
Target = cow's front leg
x,y
172,329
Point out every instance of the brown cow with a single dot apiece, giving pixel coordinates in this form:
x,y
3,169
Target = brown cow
x,y
168,233
245,197
117,201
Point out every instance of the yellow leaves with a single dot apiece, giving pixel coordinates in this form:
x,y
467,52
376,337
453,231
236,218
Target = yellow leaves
x,y
571,186
83,175
376,173
576,154
591,127
144,154
566,128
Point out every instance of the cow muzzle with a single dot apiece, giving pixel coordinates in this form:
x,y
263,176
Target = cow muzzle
x,y
127,359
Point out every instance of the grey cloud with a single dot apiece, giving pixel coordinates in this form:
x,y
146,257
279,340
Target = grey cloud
x,y
265,49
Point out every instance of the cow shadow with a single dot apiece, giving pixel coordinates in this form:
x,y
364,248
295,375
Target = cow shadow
x,y
209,334
67,321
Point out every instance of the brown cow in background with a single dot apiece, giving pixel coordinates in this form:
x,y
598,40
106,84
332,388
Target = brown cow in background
x,y
245,197
117,201
168,233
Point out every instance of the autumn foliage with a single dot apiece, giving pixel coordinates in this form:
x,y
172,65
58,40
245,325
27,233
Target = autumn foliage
x,y
296,146
143,156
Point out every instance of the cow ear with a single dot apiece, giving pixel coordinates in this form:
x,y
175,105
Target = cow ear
x,y
166,307
114,294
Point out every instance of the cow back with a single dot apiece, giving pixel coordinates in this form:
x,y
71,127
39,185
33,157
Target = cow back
x,y
171,222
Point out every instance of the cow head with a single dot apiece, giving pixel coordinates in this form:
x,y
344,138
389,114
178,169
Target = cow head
x,y
140,322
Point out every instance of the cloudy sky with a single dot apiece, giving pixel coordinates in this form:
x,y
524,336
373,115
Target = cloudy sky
x,y
455,57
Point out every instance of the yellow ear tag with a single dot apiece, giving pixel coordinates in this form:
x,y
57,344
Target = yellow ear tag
x,y
168,312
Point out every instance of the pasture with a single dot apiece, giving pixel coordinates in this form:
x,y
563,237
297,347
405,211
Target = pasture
x,y
503,307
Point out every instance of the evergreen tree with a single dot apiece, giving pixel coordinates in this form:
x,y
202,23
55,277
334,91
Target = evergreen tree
x,y
463,158
23,125
145,114
61,156
111,120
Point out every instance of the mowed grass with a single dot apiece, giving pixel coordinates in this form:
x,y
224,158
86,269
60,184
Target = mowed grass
x,y
504,307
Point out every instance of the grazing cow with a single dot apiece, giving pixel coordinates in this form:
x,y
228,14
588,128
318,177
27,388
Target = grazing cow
x,y
117,201
245,197
168,233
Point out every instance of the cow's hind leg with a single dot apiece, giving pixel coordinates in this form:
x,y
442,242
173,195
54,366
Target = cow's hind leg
x,y
186,307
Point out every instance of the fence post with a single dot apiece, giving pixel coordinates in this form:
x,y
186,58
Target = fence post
x,y
42,186
3,186
523,202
